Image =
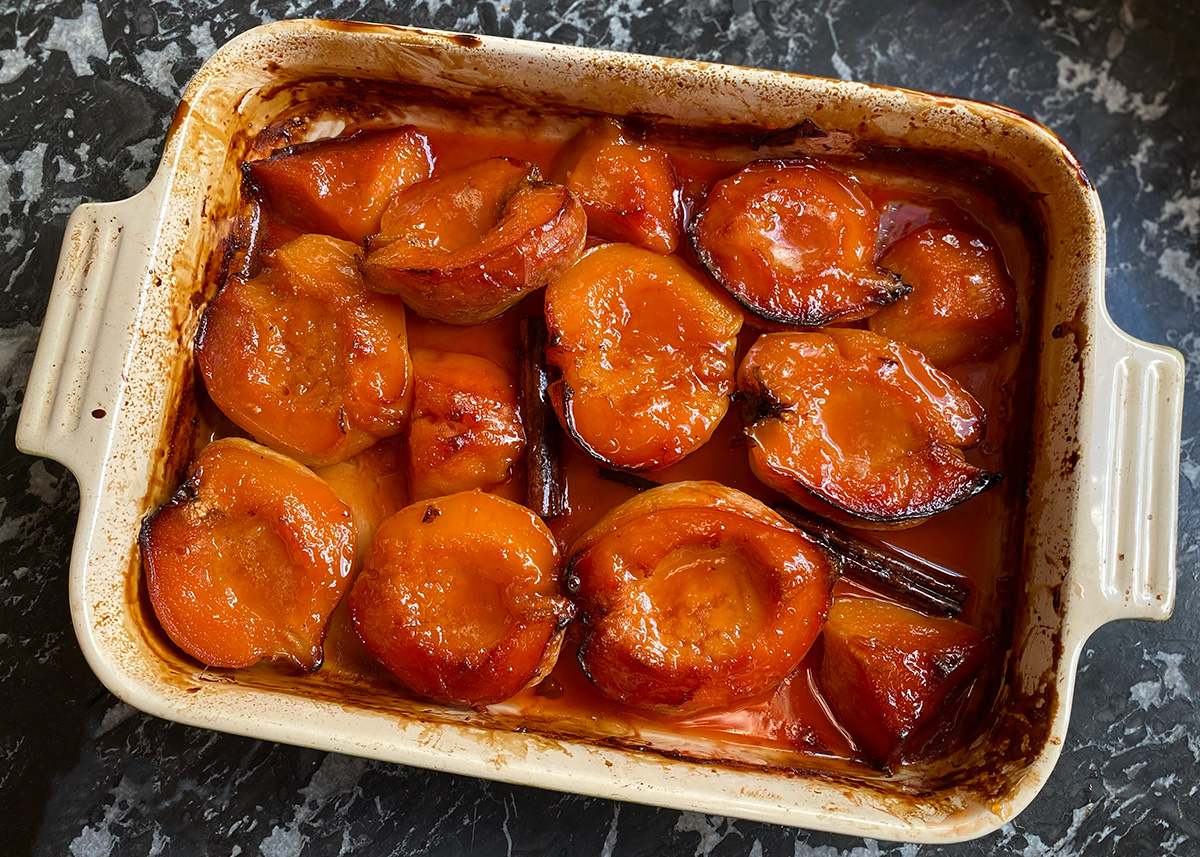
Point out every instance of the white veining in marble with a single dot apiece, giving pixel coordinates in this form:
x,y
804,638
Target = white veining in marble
x,y
82,39
1095,80
610,838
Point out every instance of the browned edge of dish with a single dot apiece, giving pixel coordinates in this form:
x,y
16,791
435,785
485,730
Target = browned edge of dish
x,y
205,139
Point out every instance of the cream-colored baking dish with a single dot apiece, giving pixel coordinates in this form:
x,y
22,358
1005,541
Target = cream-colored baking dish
x,y
113,368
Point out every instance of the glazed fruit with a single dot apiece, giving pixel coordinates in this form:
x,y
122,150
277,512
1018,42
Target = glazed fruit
x,y
248,560
859,428
340,187
465,246
695,596
887,670
963,306
458,597
466,428
794,242
374,484
646,351
628,189
304,357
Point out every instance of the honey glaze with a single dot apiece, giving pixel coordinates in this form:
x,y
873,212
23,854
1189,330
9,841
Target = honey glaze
x,y
790,726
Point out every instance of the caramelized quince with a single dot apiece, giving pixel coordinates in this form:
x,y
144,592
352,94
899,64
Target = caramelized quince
x,y
305,357
465,246
628,189
458,597
340,187
859,428
695,596
373,483
963,306
250,557
465,430
887,670
794,242
646,350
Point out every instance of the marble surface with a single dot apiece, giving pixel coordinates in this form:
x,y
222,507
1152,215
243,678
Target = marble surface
x,y
86,93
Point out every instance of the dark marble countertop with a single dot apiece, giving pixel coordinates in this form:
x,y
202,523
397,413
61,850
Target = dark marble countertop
x,y
87,91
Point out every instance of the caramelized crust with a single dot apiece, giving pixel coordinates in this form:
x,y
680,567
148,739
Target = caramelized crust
x,y
248,560
466,429
887,670
465,246
304,357
628,189
794,242
646,351
695,597
859,428
458,597
340,187
963,305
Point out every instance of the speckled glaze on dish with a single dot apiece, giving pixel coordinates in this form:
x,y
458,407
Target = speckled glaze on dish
x,y
114,364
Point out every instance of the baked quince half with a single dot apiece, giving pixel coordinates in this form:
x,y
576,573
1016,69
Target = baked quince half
x,y
963,304
859,428
464,246
465,430
628,188
694,597
304,357
887,670
646,349
341,186
794,242
249,558
459,598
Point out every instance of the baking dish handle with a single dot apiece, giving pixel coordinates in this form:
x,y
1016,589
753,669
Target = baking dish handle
x,y
1134,503
90,321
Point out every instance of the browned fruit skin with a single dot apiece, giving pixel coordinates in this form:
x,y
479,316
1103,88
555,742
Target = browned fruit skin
x,y
646,351
859,428
696,597
465,430
248,560
886,670
458,597
794,242
963,305
304,357
628,189
340,187
465,246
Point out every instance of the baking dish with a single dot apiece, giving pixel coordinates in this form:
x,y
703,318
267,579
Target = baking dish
x,y
108,391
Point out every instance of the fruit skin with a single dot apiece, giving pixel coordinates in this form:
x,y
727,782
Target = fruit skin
x,y
464,246
858,428
887,670
465,431
458,597
340,187
794,242
695,597
249,558
628,189
963,305
304,357
646,350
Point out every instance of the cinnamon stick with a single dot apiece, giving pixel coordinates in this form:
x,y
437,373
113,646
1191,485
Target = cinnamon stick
x,y
907,580
624,477
545,491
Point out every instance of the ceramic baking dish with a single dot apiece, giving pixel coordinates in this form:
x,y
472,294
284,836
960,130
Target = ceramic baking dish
x,y
110,390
